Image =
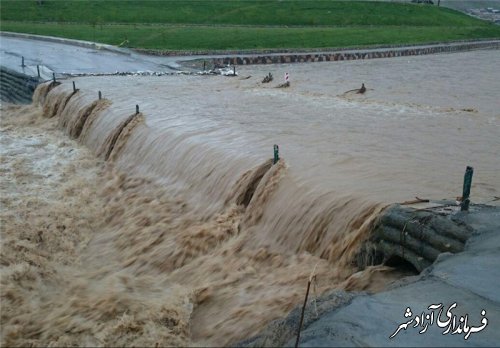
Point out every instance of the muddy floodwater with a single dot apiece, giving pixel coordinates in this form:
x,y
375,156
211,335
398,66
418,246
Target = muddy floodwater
x,y
172,226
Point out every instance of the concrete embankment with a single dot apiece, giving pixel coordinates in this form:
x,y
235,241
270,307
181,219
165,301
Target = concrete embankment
x,y
16,87
61,40
356,54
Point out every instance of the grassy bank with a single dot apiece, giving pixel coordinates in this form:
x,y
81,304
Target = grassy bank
x,y
220,38
247,24
245,12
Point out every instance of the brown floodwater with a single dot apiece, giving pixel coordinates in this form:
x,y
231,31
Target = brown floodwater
x,y
172,226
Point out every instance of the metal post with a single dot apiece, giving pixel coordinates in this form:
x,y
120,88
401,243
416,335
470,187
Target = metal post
x,y
38,69
137,108
22,62
234,70
302,314
100,95
204,66
74,87
464,206
276,154
54,77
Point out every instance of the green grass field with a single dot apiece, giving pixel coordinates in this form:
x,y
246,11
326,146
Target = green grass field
x,y
245,24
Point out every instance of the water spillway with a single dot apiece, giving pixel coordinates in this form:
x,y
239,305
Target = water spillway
x,y
198,215
198,158
196,210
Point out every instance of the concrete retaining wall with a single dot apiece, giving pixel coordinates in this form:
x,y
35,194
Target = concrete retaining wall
x,y
16,87
358,54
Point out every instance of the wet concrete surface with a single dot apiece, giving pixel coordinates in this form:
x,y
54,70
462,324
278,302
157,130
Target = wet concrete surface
x,y
70,56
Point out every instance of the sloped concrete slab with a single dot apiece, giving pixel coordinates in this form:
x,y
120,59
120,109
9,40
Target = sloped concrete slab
x,y
371,320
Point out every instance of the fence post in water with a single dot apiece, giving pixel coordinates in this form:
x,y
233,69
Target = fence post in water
x,y
464,206
54,77
74,87
234,70
276,154
137,108
204,65
22,62
100,95
38,69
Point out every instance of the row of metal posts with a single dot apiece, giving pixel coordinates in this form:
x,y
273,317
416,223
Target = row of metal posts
x,y
464,206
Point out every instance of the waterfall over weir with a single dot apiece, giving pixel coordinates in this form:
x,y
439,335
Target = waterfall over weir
x,y
277,213
231,238
188,234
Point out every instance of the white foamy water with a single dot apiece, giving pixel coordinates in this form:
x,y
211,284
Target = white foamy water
x,y
226,242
